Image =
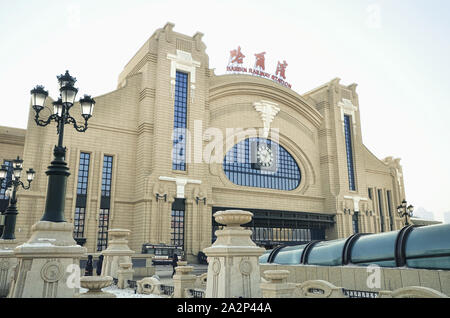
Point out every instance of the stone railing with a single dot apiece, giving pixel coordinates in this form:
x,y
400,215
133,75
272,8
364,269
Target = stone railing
x,y
277,287
358,278
185,285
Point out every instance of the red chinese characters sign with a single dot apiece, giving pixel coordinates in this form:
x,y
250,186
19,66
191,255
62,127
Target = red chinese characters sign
x,y
236,62
236,56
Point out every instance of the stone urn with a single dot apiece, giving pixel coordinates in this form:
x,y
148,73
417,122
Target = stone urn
x,y
233,218
94,284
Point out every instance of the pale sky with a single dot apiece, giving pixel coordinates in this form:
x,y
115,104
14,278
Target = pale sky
x,y
397,51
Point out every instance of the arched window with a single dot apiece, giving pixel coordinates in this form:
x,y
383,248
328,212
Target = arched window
x,y
261,163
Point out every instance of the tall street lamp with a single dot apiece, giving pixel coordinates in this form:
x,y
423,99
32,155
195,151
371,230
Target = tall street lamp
x,y
405,211
12,186
58,170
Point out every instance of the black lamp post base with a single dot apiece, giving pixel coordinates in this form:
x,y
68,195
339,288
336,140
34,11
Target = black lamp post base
x,y
56,191
10,223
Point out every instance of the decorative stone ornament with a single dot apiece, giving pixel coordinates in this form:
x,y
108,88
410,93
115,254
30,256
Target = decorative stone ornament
x,y
95,285
268,111
233,269
149,286
52,272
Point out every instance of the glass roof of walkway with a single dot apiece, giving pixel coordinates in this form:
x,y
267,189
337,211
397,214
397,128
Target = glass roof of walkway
x,y
426,247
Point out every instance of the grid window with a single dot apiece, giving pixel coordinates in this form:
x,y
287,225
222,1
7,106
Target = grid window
x,y
180,122
103,220
177,228
83,173
80,207
8,178
349,148
240,170
78,230
107,176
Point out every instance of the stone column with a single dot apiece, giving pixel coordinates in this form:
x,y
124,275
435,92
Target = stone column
x,y
125,273
277,287
182,280
233,269
117,252
47,263
8,264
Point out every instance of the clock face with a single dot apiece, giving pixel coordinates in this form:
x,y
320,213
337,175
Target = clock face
x,y
265,155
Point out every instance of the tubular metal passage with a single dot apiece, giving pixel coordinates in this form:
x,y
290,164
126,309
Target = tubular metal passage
x,y
425,247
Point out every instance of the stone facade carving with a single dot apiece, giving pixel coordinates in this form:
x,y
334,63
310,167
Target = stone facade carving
x,y
52,272
149,286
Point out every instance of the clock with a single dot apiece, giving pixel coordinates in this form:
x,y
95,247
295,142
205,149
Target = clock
x,y
264,155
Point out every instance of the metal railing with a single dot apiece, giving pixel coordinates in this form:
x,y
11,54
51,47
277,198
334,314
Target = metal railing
x,y
167,289
132,284
197,293
359,293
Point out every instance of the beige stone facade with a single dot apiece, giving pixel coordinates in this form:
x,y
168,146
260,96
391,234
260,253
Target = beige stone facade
x,y
134,125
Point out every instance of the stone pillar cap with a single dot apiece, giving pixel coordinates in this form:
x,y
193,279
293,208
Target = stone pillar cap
x,y
276,275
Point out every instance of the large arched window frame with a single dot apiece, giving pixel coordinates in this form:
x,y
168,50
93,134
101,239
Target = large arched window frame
x,y
241,169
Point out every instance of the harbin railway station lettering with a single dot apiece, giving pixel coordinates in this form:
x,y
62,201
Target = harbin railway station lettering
x,y
236,62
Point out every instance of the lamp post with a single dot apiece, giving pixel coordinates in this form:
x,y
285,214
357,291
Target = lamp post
x,y
58,170
405,211
12,186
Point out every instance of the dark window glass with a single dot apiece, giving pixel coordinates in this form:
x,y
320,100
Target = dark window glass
x,y
240,168
389,202
380,207
180,122
328,253
355,222
349,148
103,222
370,190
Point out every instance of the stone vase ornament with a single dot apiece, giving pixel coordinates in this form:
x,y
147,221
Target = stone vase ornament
x,y
233,269
94,284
